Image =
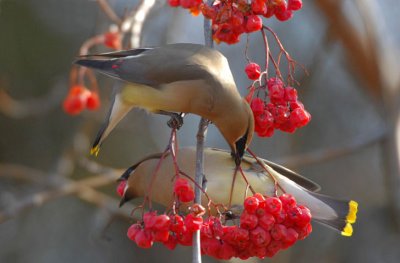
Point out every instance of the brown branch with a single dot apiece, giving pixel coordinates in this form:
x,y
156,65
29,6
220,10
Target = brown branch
x,y
31,107
109,11
84,189
360,50
135,20
354,145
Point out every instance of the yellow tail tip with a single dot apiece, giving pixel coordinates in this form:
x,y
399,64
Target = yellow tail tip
x,y
347,230
95,150
352,215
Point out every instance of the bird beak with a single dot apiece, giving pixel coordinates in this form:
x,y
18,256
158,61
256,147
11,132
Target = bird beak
x,y
240,148
126,198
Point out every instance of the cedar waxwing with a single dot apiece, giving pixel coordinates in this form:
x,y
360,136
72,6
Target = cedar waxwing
x,y
218,166
176,78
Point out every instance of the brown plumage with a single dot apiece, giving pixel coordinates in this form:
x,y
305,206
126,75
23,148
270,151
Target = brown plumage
x,y
177,78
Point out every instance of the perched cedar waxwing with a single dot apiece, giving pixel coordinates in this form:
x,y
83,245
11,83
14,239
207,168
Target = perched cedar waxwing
x,y
218,166
176,78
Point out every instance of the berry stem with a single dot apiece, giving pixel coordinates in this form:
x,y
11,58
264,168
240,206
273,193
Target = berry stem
x,y
247,182
276,184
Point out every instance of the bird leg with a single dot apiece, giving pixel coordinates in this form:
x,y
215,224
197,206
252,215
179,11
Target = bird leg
x,y
176,120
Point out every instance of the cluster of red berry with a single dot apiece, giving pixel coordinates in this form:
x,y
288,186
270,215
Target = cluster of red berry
x,y
267,225
183,190
284,111
79,98
231,18
169,230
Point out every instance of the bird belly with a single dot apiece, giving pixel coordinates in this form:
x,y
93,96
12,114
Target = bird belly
x,y
179,96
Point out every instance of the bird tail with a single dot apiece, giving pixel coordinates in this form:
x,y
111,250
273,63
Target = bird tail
x,y
345,210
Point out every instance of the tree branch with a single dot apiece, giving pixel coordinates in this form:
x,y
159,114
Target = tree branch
x,y
201,135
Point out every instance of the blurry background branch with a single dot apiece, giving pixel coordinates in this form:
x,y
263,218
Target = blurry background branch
x,y
371,55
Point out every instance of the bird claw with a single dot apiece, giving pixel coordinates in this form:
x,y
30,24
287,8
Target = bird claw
x,y
175,122
204,183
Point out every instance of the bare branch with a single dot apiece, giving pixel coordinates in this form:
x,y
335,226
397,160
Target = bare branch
x,y
83,189
109,11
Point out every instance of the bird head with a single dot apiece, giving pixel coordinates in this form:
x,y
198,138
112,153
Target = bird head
x,y
240,133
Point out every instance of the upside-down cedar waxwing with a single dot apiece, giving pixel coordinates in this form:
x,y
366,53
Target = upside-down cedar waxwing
x,y
218,166
176,78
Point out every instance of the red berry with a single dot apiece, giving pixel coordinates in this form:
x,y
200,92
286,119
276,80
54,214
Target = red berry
x,y
183,190
149,219
299,117
303,231
177,224
161,223
290,94
160,236
287,200
267,221
276,94
295,4
305,217
193,223
133,230
254,23
224,32
251,204
185,238
237,19
144,239
112,40
273,205
174,3
274,81
294,214
281,115
257,106
260,237
284,15
290,238
278,231
210,246
273,247
267,132
73,105
253,71
248,221
226,251
93,101
295,104
236,236
171,242
264,122
259,7
121,188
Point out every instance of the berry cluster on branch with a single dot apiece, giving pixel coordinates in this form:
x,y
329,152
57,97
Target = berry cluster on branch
x,y
232,18
283,111
266,226
79,98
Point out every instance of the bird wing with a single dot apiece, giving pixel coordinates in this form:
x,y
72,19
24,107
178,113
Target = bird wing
x,y
157,65
295,177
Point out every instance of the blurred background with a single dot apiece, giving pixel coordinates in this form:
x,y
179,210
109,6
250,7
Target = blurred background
x,y
58,204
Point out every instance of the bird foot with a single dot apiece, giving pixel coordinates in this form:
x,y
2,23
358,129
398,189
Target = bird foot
x,y
176,121
204,183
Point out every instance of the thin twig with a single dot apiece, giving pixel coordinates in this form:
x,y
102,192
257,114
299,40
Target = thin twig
x,y
83,189
109,12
